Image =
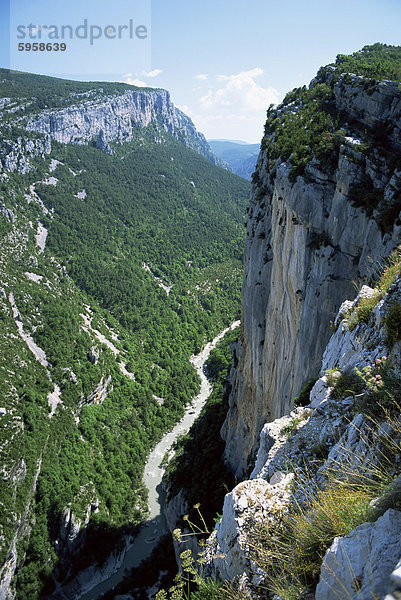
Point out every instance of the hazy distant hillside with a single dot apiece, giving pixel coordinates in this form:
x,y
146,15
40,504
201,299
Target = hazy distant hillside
x,y
241,156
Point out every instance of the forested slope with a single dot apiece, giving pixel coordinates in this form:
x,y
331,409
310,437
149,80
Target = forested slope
x,y
114,269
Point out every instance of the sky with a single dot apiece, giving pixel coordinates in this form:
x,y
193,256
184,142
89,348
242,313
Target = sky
x,y
223,61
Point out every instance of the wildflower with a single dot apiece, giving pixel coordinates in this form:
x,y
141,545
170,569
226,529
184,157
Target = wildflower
x,y
177,535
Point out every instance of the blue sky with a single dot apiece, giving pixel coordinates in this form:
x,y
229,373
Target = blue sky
x,y
224,61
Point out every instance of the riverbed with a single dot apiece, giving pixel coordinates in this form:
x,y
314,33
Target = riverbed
x,y
94,582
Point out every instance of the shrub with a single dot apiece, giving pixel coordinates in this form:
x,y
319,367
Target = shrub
x,y
383,393
343,384
393,324
189,584
303,398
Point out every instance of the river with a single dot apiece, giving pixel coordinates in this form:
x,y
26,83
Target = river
x,y
92,583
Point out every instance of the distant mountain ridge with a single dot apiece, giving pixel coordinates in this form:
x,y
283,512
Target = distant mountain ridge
x,y
240,156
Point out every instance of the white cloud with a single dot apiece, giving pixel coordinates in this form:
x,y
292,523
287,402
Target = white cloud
x,y
231,126
153,73
201,76
240,91
233,106
134,81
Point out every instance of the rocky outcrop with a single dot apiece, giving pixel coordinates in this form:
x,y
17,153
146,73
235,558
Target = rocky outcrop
x,y
113,118
327,436
100,393
371,105
16,155
307,245
93,355
73,527
228,553
359,565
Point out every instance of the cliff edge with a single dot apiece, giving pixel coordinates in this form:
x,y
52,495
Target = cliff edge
x,y
324,213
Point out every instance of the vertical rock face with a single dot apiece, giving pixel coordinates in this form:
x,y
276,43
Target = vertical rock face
x,y
365,563
307,247
112,118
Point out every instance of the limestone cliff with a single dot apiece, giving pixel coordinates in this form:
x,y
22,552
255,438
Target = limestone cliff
x,y
310,239
100,117
111,118
334,434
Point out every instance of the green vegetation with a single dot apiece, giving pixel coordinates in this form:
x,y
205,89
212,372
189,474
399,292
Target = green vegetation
x,y
378,61
387,277
52,92
304,125
153,214
154,211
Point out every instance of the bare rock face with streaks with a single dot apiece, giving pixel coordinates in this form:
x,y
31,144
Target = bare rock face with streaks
x,y
113,118
327,436
307,246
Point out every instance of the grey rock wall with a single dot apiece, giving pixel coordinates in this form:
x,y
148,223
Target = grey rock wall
x,y
307,247
113,118
366,563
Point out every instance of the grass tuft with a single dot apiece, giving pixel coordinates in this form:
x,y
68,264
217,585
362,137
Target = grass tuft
x,y
291,556
391,271
343,384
